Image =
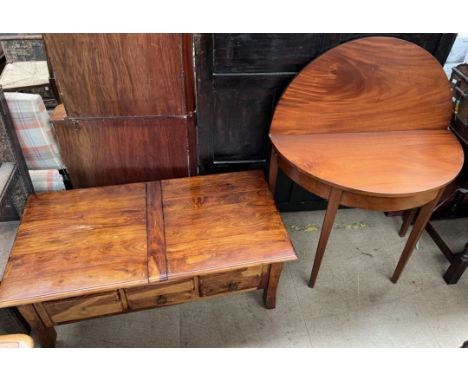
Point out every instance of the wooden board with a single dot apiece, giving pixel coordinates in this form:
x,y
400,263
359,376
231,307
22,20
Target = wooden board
x,y
219,222
122,74
370,84
99,152
77,242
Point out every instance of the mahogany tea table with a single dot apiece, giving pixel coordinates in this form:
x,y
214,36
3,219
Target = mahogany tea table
x,y
366,125
94,252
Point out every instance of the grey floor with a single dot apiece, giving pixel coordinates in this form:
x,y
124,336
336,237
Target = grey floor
x,y
354,304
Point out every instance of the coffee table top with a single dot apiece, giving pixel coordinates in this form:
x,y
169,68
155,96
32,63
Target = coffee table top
x,y
370,116
99,239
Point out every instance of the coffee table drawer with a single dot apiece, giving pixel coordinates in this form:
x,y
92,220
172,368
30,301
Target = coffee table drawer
x,y
160,295
78,308
240,279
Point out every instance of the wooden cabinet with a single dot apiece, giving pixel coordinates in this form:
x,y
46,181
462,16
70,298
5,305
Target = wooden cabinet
x,y
128,106
112,74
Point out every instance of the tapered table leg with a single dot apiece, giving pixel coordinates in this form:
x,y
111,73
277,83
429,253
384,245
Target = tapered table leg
x,y
269,294
273,171
333,204
407,220
419,226
47,335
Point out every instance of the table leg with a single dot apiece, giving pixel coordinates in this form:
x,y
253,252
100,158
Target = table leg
x,y
269,294
457,267
407,220
47,335
333,204
273,171
419,226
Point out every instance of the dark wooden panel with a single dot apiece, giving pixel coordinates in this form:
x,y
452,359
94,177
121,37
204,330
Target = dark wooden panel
x,y
287,52
100,152
122,74
240,123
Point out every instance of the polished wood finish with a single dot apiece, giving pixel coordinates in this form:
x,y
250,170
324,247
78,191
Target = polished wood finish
x,y
94,252
112,74
366,85
78,308
240,279
161,295
389,164
128,112
76,242
365,125
269,294
100,152
157,256
333,204
46,334
238,212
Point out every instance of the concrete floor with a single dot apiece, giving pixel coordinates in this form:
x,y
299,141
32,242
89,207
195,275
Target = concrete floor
x,y
354,304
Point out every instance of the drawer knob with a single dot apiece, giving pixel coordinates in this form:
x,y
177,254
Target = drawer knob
x,y
232,286
161,300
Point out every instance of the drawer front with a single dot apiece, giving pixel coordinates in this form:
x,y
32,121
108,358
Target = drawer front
x,y
78,308
240,279
160,295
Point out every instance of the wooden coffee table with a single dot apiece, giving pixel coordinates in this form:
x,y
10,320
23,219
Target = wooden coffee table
x,y
366,125
94,252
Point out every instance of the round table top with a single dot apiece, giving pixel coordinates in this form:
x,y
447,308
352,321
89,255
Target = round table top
x,y
370,116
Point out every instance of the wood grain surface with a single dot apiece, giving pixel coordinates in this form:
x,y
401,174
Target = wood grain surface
x,y
77,308
220,222
369,84
108,151
74,244
157,263
77,242
130,74
393,163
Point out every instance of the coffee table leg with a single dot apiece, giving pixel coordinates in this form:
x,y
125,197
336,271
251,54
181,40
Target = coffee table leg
x,y
333,204
47,335
269,294
273,172
419,226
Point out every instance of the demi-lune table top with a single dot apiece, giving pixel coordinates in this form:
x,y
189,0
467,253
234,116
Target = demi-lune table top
x,y
370,116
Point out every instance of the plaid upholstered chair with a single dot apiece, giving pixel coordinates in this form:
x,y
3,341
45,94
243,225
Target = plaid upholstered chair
x,y
36,137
